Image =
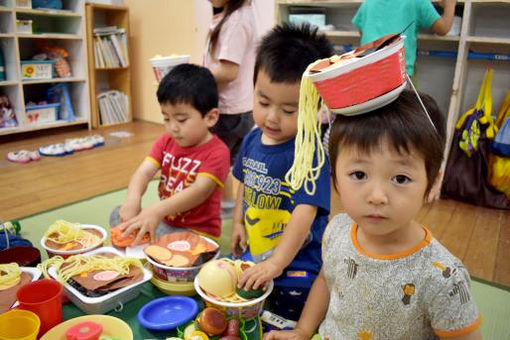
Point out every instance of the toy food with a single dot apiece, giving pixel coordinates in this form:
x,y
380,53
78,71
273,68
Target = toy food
x,y
230,337
11,279
219,278
189,330
87,330
181,249
122,242
198,335
232,328
212,321
95,275
65,236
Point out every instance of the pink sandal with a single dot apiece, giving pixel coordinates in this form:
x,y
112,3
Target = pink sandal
x,y
23,156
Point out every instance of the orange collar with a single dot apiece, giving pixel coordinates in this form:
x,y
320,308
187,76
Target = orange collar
x,y
426,241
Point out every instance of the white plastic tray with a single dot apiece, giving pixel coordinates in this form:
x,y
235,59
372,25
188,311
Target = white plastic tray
x,y
107,302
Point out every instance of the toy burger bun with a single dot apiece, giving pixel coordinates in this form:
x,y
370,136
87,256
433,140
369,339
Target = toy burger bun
x,y
212,321
122,242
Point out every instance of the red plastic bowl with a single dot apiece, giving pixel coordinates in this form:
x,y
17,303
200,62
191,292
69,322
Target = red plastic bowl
x,y
24,256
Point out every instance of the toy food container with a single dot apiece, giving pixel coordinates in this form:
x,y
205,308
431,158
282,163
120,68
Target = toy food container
x,y
12,278
65,239
362,80
177,257
162,65
100,290
216,283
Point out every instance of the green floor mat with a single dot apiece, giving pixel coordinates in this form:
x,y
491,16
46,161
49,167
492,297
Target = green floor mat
x,y
494,303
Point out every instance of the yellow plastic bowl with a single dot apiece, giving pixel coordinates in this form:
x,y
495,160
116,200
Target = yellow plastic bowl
x,y
112,327
19,324
169,288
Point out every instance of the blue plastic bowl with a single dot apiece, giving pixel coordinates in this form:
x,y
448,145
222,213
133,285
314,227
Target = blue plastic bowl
x,y
167,312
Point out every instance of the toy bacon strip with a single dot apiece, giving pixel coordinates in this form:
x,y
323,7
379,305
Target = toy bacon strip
x,y
122,242
180,249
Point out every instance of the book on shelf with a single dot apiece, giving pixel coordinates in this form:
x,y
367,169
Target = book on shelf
x,y
113,107
110,44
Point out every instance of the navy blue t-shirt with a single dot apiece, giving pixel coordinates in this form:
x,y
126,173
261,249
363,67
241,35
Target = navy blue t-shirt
x,y
269,201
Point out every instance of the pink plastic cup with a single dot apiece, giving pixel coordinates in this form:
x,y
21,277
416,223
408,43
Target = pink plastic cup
x,y
44,298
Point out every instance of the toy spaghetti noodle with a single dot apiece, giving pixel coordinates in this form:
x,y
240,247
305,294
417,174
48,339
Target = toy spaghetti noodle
x,y
67,236
79,264
307,139
10,275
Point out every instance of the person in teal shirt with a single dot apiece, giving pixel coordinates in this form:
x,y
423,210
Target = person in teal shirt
x,y
376,18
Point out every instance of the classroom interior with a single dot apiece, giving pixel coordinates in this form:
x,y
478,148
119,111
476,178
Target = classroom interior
x,y
477,235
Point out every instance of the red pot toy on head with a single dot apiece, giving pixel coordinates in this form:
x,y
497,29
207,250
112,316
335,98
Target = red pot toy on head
x,y
371,76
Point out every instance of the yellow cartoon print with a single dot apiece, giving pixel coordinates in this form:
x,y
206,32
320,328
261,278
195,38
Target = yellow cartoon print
x,y
265,228
365,334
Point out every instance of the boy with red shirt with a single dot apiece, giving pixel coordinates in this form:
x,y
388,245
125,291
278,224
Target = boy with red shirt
x,y
193,162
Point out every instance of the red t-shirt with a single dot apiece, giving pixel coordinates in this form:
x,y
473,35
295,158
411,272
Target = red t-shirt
x,y
180,167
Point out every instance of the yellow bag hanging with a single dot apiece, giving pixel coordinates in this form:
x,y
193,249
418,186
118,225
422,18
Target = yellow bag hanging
x,y
499,166
470,121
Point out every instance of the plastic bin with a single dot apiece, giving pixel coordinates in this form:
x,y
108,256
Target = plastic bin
x,y
47,113
24,26
162,65
37,69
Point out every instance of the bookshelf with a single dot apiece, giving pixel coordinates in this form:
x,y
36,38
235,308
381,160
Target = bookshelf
x,y
63,28
453,81
112,76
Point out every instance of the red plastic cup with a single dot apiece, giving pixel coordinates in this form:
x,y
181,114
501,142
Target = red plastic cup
x,y
44,298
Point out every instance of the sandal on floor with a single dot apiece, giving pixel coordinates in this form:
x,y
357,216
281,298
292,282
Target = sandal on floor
x,y
55,150
23,156
79,144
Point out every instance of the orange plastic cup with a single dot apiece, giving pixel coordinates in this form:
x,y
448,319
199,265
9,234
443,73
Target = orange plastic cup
x,y
18,324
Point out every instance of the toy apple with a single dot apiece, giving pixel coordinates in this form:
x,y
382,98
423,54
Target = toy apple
x,y
212,321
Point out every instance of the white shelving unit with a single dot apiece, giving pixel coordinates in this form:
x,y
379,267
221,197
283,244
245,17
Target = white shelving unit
x,y
454,82
62,28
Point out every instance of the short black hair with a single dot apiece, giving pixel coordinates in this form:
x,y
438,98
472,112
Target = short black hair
x,y
286,51
189,84
403,122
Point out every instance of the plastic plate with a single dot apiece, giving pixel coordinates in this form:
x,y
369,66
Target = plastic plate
x,y
167,312
112,327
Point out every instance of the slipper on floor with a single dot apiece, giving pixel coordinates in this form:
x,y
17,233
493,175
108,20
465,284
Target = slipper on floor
x,y
97,140
79,144
55,150
23,156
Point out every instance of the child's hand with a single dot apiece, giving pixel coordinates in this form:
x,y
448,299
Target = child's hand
x,y
295,334
259,274
238,239
129,210
145,222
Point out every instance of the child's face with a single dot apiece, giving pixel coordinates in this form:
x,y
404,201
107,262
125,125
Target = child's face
x,y
186,125
382,191
275,109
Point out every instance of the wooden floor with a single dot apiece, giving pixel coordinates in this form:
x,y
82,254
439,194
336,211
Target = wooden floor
x,y
480,237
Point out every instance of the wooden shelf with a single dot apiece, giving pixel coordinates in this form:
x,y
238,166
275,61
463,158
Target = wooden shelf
x,y
489,40
342,34
8,83
112,68
107,78
58,123
17,46
48,12
50,36
438,37
53,80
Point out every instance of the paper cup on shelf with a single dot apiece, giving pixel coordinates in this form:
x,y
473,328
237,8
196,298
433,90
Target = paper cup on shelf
x,y
162,65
